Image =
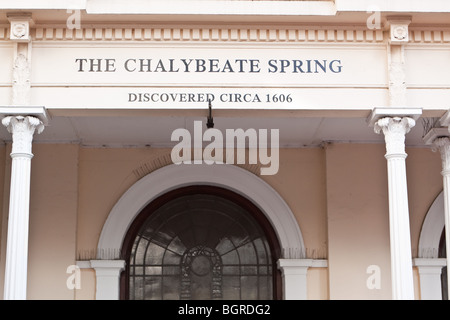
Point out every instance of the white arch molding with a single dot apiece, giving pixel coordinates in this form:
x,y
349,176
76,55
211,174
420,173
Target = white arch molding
x,y
230,177
428,263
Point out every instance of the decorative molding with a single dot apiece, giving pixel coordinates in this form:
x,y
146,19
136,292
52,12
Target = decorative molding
x,y
429,36
20,26
398,28
227,34
416,35
21,81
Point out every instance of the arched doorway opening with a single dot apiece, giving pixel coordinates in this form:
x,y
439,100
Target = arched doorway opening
x,y
201,242
173,177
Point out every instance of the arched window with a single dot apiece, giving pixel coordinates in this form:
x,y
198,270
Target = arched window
x,y
201,242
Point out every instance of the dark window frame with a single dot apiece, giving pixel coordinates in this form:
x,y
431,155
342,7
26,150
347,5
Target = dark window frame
x,y
240,200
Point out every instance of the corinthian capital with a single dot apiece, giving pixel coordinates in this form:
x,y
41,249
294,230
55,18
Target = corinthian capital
x,y
442,144
22,129
395,130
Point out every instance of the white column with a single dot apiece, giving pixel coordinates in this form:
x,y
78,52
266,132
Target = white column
x,y
395,129
108,278
22,129
443,145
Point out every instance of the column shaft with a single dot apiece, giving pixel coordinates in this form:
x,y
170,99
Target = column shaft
x,y
17,241
443,145
401,264
22,129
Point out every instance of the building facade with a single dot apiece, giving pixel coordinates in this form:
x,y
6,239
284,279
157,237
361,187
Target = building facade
x,y
224,149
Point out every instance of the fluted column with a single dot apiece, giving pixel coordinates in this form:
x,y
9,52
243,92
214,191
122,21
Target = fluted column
x,y
22,129
443,145
395,129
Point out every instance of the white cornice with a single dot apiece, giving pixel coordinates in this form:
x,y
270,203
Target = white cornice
x,y
231,7
397,6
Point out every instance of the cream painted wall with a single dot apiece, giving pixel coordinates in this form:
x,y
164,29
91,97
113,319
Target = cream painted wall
x,y
358,221
104,175
53,211
301,182
423,169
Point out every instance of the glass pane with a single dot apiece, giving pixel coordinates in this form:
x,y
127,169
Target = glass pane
x,y
224,246
154,254
140,251
152,288
249,287
177,246
261,251
171,258
265,288
247,254
171,288
171,270
231,288
230,258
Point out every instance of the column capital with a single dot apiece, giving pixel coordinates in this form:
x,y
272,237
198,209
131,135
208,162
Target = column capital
x,y
395,129
441,143
22,128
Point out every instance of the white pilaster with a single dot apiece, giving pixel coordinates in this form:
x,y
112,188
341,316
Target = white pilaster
x,y
395,129
430,277
108,278
22,129
399,36
20,34
294,275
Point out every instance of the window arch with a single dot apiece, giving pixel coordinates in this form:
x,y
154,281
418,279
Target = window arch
x,y
201,242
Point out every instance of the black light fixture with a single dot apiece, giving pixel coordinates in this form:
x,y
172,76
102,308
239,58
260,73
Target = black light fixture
x,y
210,122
